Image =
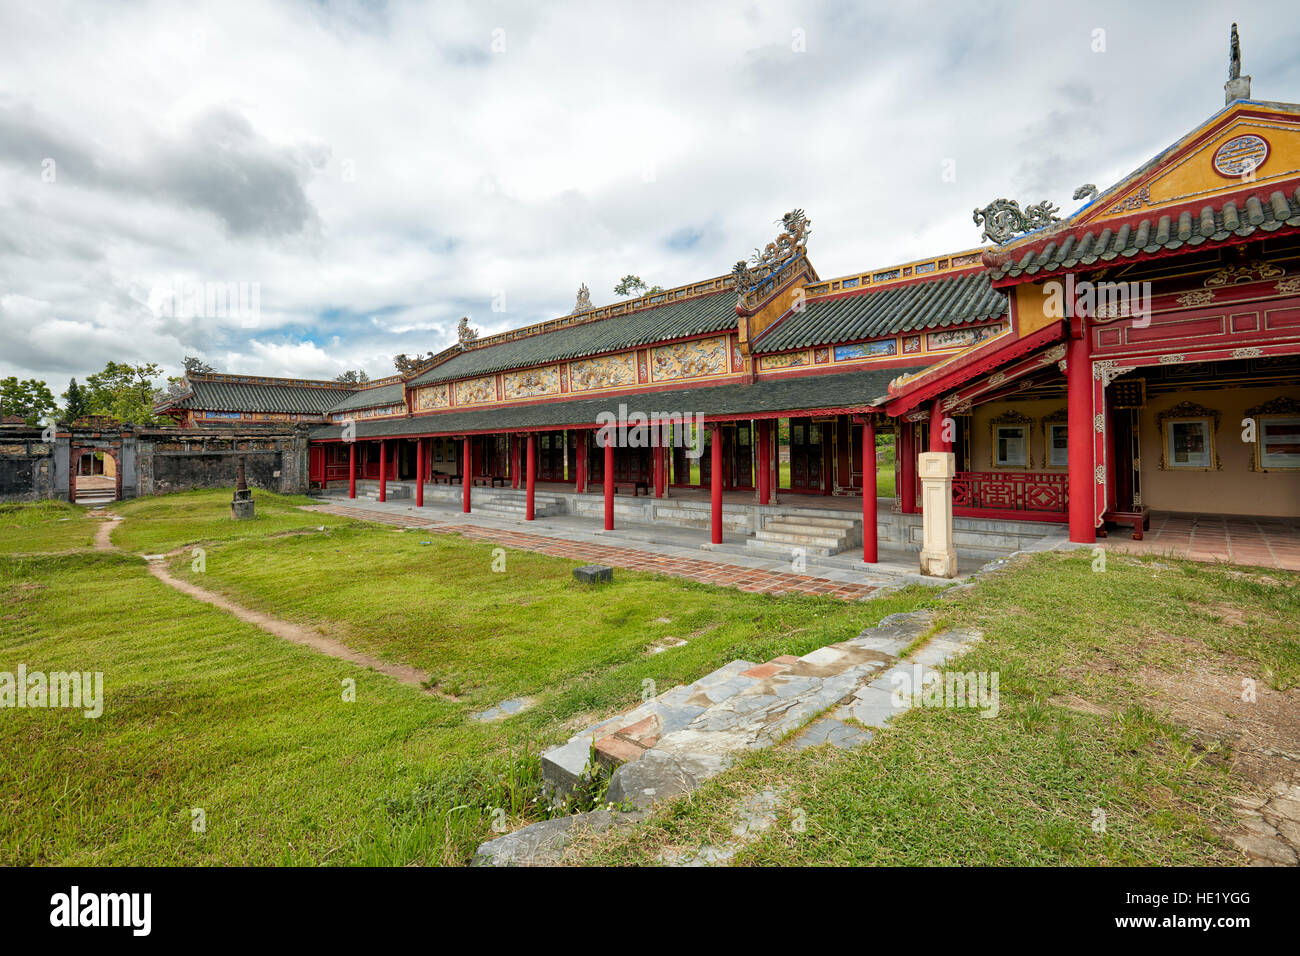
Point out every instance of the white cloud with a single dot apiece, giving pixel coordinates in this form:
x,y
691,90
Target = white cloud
x,y
380,171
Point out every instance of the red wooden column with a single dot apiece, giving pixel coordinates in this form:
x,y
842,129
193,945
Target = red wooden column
x,y
1078,389
937,441
532,475
419,473
715,484
659,470
905,463
870,554
514,461
352,469
609,482
580,484
466,478
383,470
765,462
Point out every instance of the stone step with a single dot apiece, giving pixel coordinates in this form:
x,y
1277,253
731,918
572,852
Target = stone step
x,y
393,491
813,537
540,510
787,550
842,524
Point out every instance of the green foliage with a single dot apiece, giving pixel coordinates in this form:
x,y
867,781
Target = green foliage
x,y
30,398
75,405
633,285
124,392
353,377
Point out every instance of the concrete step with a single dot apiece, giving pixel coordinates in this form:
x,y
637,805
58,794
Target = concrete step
x,y
812,521
812,543
519,509
392,492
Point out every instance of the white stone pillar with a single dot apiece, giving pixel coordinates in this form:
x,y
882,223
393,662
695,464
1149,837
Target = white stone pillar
x,y
938,556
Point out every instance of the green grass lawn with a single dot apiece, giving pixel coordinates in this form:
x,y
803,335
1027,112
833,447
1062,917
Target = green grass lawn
x,y
163,523
45,526
203,711
1079,731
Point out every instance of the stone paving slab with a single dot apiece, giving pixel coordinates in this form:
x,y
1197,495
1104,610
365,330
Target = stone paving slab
x,y
666,748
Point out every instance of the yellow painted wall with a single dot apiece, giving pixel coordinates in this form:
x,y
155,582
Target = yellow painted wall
x,y
1193,175
755,325
982,442
1234,490
1031,308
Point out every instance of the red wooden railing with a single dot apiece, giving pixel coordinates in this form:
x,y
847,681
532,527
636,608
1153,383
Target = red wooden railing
x,y
1021,496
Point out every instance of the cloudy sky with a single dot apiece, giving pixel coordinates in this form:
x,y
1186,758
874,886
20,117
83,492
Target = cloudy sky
x,y
377,170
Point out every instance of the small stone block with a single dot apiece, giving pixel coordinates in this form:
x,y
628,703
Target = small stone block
x,y
644,732
613,751
593,573
241,509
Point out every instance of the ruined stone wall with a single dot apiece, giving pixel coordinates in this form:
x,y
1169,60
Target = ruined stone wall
x,y
26,465
174,459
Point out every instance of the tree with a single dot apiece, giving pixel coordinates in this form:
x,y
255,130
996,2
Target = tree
x,y
30,398
353,377
631,285
124,392
74,403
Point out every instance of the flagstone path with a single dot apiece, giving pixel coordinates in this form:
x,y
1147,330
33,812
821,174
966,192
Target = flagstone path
x,y
671,744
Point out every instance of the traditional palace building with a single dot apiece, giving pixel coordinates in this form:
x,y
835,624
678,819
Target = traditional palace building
x,y
1141,352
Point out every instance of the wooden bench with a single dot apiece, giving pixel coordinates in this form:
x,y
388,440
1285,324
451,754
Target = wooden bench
x,y
441,477
637,487
490,481
1140,519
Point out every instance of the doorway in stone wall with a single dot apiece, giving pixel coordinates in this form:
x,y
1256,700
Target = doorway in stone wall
x,y
96,475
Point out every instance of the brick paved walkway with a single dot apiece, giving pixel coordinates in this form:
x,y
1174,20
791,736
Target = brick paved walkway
x,y
1261,542
694,569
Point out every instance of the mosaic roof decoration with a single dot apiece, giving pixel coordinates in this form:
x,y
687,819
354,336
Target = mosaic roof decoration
x,y
1003,219
1099,244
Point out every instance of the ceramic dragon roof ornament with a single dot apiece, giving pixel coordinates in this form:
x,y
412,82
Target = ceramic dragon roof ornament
x,y
1003,219
789,245
465,336
584,300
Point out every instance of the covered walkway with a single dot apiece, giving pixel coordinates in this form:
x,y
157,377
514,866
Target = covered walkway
x,y
1233,539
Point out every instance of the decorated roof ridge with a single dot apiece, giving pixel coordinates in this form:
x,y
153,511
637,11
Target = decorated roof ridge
x,y
645,303
266,380
379,382
925,268
1095,199
1220,219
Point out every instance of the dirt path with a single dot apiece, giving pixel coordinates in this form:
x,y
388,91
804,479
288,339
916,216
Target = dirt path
x,y
272,625
103,534
288,631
